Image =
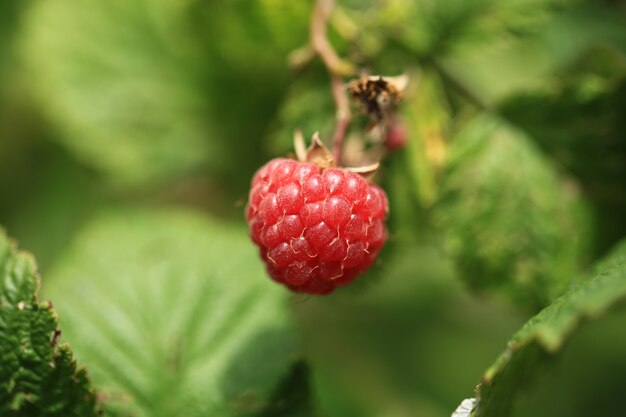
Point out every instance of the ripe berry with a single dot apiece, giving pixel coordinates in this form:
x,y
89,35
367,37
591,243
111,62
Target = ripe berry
x,y
316,228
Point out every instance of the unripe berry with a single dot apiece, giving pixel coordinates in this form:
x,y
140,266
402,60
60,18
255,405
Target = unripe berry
x,y
396,136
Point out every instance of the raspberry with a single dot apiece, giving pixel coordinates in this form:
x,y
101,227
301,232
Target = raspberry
x,y
316,228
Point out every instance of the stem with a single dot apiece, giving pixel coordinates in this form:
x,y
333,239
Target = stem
x,y
336,67
320,43
342,116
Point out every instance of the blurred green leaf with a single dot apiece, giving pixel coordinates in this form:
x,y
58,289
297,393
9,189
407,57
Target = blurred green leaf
x,y
174,314
254,36
439,28
587,376
507,218
292,398
16,118
549,331
53,202
122,82
494,70
10,11
578,120
308,106
403,346
428,121
38,377
246,45
417,168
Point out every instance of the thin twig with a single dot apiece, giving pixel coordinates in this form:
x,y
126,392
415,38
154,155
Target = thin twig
x,y
320,43
336,67
342,116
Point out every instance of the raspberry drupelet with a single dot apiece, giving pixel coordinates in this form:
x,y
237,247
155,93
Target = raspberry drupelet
x,y
317,228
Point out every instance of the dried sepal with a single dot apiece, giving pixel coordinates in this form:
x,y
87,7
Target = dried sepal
x,y
319,154
366,171
299,146
378,95
397,82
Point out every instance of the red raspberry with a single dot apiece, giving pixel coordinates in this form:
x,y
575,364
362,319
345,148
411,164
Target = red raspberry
x,y
316,228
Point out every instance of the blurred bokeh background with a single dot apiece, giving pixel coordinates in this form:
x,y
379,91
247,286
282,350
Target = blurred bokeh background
x,y
130,129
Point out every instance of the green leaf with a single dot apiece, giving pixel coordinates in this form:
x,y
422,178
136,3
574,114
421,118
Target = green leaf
x,y
428,122
9,16
418,168
507,218
402,347
58,203
548,332
578,121
247,45
439,28
493,71
292,397
174,314
122,81
255,36
38,377
308,107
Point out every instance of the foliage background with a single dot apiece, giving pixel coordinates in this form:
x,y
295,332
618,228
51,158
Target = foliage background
x,y
130,130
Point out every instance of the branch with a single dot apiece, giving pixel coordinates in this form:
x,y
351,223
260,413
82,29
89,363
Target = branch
x,y
342,116
320,43
336,67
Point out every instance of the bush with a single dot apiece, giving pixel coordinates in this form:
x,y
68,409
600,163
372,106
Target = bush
x,y
131,130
